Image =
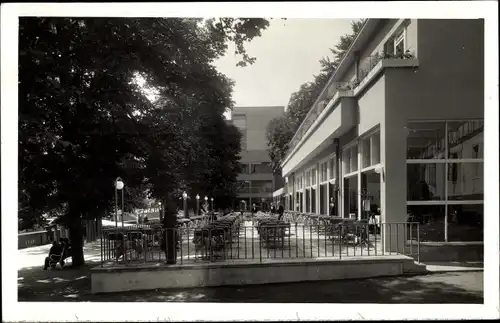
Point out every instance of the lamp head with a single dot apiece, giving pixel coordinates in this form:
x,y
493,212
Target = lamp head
x,y
197,197
206,198
119,184
212,199
184,195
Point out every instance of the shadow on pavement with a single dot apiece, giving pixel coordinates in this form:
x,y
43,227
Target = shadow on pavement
x,y
418,289
381,290
35,284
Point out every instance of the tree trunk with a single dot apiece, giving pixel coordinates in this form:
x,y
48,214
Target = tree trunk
x,y
170,232
76,237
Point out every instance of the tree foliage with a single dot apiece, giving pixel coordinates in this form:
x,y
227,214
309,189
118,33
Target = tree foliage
x,y
85,119
281,130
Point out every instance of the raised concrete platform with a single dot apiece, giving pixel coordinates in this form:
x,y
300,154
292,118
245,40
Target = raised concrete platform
x,y
119,278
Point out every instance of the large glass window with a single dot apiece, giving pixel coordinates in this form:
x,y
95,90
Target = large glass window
x,y
465,181
240,122
370,193
425,140
308,178
432,218
425,182
370,150
323,199
346,161
323,172
332,168
243,187
301,201
375,148
313,176
351,197
262,186
465,222
455,184
244,168
366,152
465,140
354,158
261,168
313,200
332,199
308,200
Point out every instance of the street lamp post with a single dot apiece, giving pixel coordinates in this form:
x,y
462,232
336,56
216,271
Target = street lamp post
x,y
206,203
161,212
197,204
185,196
118,187
212,200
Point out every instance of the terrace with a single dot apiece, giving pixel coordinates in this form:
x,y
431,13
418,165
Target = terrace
x,y
242,243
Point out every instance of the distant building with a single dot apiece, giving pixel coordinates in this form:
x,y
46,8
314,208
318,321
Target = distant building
x,y
398,131
257,182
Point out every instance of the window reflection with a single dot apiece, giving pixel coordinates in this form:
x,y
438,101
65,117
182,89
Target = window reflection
x,y
465,181
244,168
332,168
351,197
432,218
375,149
425,182
346,160
261,168
354,159
313,201
425,140
465,139
323,172
308,200
365,147
323,199
465,222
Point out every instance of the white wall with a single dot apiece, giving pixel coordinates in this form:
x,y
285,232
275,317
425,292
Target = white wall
x,y
372,106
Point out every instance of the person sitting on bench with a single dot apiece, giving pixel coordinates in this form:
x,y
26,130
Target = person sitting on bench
x,y
57,254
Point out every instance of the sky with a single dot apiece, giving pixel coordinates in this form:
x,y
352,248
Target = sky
x,y
288,54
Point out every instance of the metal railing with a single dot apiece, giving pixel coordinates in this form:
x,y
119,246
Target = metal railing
x,y
259,239
316,109
255,190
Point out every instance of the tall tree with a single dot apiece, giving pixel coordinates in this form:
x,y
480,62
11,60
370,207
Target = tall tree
x,y
281,130
84,119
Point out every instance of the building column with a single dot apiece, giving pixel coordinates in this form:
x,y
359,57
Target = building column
x,y
358,180
316,196
338,164
393,180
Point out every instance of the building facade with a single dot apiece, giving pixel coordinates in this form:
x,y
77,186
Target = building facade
x,y
257,182
398,131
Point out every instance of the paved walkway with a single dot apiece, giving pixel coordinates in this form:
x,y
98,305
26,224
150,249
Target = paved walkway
x,y
35,284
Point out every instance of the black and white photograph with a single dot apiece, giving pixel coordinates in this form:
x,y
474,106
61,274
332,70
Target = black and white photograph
x,y
250,161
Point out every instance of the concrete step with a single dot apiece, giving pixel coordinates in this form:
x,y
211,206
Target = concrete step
x,y
410,266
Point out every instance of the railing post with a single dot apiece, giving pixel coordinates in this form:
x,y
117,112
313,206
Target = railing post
x,y
418,242
341,238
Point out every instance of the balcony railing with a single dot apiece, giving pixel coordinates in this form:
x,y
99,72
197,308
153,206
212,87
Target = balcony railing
x,y
317,109
254,190
365,67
